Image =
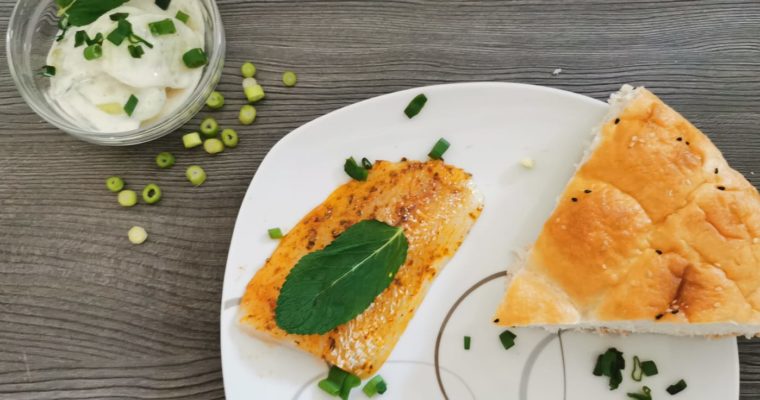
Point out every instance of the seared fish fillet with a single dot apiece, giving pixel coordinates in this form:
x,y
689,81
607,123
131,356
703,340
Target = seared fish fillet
x,y
436,204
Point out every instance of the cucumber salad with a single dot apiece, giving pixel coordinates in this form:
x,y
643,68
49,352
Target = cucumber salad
x,y
119,65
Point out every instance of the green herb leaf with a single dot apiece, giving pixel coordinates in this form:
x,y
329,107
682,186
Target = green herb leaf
x,y
332,286
611,364
507,339
355,170
85,12
649,368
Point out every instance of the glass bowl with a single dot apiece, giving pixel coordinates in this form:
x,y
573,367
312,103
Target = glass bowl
x,y
33,27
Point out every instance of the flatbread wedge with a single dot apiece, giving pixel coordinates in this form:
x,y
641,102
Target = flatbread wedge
x,y
654,233
435,204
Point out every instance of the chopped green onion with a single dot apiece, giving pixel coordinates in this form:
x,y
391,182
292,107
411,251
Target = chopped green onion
x,y
48,71
467,342
115,184
611,364
507,339
163,27
372,386
415,106
135,50
254,93
191,140
230,138
118,16
137,235
349,384
440,147
93,52
196,175
134,39
127,198
111,108
122,31
649,368
163,4
249,82
366,163
213,146
151,194
637,373
182,16
63,25
165,160
382,387
195,58
289,78
275,233
355,170
215,100
646,394
129,108
80,38
677,387
247,114
98,39
248,70
209,127
329,387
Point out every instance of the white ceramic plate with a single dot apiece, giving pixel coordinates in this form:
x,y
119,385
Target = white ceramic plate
x,y
491,126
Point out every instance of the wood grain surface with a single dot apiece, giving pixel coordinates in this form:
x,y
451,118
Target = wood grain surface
x,y
86,315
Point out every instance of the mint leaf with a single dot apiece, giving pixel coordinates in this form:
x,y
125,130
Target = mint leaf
x,y
332,286
85,12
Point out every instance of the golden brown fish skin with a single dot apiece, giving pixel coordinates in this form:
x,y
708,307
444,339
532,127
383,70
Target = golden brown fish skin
x,y
434,203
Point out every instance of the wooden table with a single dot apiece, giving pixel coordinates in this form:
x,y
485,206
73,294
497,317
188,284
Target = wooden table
x,y
86,315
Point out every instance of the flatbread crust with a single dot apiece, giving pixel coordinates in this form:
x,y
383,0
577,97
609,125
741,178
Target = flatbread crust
x,y
654,226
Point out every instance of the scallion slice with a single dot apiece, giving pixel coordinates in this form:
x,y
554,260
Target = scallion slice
x,y
80,38
163,4
415,106
93,52
440,147
649,368
48,71
637,373
163,27
129,108
372,386
118,16
467,342
355,170
677,387
611,364
122,31
63,25
507,339
349,384
275,233
135,50
646,394
182,16
134,39
329,387
98,39
366,163
195,58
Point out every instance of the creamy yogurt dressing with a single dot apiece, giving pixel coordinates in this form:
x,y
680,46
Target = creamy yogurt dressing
x,y
93,92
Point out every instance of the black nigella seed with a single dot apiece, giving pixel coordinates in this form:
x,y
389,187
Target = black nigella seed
x,y
574,199
687,143
716,170
658,316
587,191
679,138
496,321
721,188
674,311
617,121
658,251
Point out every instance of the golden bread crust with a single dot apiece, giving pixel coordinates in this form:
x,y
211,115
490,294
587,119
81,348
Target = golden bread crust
x,y
654,226
436,206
